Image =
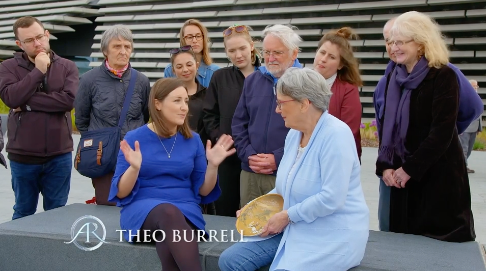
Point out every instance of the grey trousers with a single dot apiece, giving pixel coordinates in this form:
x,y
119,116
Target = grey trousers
x,y
467,143
384,206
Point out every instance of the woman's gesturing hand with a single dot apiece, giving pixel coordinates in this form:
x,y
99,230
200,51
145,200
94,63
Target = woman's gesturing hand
x,y
133,157
220,150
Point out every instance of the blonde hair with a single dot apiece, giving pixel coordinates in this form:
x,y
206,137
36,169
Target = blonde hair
x,y
349,71
206,58
160,90
425,32
255,53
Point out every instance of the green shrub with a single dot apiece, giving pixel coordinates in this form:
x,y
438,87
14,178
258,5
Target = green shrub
x,y
478,145
3,108
368,130
72,119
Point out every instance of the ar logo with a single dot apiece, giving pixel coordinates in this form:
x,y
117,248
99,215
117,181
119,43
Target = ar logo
x,y
90,230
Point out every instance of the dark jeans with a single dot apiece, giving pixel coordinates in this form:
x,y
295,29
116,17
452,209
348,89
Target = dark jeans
x,y
52,179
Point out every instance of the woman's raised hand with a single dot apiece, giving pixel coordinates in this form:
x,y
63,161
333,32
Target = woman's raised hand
x,y
221,150
133,157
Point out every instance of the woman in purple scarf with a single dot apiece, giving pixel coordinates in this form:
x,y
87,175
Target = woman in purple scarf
x,y
419,149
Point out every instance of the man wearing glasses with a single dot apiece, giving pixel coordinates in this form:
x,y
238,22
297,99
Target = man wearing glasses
x,y
39,87
470,107
258,131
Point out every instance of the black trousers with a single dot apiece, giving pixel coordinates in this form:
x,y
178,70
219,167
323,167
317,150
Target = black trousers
x,y
229,181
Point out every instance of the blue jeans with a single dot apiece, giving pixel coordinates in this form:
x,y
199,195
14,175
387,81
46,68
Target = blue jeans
x,y
52,179
384,206
249,256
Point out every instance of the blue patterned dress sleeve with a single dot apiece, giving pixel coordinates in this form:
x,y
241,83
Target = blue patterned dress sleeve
x,y
121,166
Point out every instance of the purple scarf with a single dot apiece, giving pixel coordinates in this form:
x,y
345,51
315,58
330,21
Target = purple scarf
x,y
397,110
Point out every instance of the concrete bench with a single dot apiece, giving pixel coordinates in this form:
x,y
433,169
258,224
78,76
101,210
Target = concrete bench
x,y
37,243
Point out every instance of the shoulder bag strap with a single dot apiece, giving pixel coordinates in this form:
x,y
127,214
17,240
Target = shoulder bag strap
x,y
128,97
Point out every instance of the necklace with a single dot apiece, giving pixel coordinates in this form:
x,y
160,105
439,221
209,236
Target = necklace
x,y
168,153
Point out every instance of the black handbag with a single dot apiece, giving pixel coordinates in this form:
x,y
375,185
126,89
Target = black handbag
x,y
98,150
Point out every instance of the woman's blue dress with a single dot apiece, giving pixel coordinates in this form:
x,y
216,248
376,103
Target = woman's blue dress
x,y
174,180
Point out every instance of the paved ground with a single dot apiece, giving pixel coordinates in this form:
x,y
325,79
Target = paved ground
x,y
81,190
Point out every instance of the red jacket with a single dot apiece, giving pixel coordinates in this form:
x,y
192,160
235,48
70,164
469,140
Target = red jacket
x,y
43,127
346,106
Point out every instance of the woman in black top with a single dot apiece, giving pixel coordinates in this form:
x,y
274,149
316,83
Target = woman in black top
x,y
222,97
185,67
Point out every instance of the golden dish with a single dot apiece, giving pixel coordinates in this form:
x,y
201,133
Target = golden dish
x,y
255,215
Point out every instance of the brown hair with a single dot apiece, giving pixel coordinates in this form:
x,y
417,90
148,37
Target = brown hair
x,y
246,35
25,22
160,90
204,31
349,71
173,56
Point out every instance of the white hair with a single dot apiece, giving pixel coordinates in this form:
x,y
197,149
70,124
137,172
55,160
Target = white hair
x,y
285,33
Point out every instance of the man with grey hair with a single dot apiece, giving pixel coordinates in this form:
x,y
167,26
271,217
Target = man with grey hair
x,y
39,86
101,94
258,132
470,107
469,136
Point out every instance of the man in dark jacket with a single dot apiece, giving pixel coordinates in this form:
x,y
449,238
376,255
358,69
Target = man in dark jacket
x,y
258,131
101,94
39,87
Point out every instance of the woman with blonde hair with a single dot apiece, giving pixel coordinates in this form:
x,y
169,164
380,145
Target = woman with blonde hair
x,y
220,104
335,61
162,175
195,34
420,153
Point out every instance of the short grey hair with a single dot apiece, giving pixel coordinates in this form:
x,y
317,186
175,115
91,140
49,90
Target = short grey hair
x,y
305,84
473,81
115,32
285,33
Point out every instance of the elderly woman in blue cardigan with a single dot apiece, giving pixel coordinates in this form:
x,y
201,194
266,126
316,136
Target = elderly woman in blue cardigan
x,y
324,222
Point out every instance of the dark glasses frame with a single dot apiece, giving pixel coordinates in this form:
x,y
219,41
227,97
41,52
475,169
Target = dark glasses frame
x,y
237,28
185,48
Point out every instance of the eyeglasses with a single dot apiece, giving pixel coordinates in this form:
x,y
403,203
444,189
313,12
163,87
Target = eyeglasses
x,y
274,53
279,103
39,38
181,49
398,43
189,38
235,28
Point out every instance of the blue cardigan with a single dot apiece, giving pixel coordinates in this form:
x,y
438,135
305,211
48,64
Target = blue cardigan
x,y
324,199
470,104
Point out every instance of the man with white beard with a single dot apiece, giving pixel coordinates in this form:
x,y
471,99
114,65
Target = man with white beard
x,y
258,131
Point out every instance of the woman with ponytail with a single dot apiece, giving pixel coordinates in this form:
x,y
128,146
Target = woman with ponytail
x,y
335,61
222,96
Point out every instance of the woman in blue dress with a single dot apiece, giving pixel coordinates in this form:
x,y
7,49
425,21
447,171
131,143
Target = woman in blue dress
x,y
163,174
